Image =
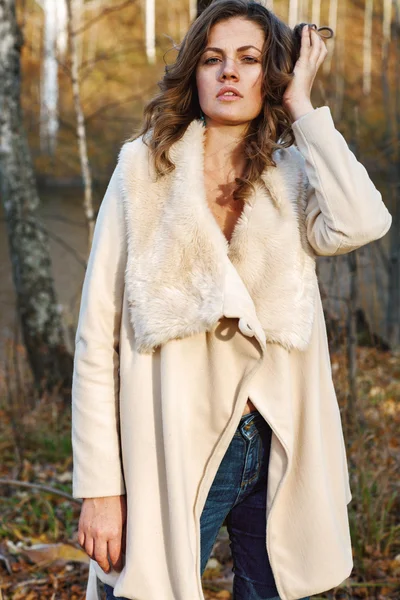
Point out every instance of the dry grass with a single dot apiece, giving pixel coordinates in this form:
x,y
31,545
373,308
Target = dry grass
x,y
36,448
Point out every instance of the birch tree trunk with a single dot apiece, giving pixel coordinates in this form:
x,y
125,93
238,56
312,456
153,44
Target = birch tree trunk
x,y
151,31
332,22
49,81
293,12
31,265
340,60
367,46
80,127
192,10
303,11
316,12
54,43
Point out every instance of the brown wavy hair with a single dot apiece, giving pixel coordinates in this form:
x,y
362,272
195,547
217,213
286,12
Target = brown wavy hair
x,y
168,114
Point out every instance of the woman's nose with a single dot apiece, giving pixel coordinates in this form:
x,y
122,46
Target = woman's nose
x,y
229,70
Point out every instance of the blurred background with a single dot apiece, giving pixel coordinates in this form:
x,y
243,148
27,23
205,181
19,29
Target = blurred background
x,y
74,77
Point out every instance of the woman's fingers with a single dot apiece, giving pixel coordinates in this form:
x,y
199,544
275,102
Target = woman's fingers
x,y
88,545
312,53
81,538
115,553
322,56
123,541
100,554
85,540
313,48
105,552
305,42
311,43
100,531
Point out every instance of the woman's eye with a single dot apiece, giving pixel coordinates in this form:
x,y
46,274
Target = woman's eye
x,y
248,59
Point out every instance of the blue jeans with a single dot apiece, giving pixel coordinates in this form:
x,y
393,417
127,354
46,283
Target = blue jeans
x,y
238,498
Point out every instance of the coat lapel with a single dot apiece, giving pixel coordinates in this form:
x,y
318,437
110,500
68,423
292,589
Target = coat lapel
x,y
179,278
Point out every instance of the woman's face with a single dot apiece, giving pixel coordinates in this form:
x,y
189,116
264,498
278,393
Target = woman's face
x,y
231,58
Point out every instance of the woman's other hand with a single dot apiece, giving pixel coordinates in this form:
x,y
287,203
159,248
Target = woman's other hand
x,y
313,51
102,530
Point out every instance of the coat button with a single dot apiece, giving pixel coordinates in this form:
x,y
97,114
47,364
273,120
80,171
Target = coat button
x,y
245,328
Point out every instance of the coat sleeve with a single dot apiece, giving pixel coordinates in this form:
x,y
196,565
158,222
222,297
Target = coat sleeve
x,y
344,210
97,467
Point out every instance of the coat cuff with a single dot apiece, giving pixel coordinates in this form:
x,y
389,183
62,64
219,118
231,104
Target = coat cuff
x,y
322,112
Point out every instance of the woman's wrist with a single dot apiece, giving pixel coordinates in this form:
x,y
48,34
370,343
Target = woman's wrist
x,y
298,108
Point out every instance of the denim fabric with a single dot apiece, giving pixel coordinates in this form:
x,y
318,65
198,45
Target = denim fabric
x,y
238,497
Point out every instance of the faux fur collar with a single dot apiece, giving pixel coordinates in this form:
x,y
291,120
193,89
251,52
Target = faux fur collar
x,y
177,255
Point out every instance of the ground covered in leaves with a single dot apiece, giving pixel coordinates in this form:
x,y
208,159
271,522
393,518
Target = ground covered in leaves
x,y
39,554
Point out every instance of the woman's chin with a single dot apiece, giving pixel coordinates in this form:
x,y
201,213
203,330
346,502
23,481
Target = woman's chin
x,y
232,117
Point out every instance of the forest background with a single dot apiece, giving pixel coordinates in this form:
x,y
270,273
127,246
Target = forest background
x,y
87,68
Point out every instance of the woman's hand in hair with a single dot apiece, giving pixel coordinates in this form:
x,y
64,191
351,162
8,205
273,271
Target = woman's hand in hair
x,y
101,531
313,51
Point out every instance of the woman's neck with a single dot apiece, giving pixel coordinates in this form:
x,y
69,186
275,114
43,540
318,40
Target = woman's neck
x,y
224,150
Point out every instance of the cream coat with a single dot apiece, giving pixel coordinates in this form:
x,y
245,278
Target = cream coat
x,y
178,328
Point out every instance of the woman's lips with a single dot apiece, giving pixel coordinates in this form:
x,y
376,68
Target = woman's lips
x,y
228,97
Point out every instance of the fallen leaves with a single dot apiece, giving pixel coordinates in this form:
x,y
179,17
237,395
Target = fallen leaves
x,y
43,554
40,558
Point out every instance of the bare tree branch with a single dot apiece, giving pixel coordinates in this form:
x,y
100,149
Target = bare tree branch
x,y
105,107
106,11
43,488
67,247
103,56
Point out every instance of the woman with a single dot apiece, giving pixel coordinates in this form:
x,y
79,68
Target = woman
x,y
202,383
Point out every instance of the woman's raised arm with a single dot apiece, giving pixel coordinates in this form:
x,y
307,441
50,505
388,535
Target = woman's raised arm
x,y
344,209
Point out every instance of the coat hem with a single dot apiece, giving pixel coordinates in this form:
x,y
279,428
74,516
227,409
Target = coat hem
x,y
217,452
